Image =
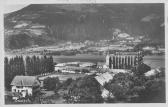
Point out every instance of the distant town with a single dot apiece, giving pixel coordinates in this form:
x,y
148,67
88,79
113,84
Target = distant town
x,y
121,42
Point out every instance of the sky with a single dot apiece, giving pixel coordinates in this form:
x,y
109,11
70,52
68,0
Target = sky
x,y
12,8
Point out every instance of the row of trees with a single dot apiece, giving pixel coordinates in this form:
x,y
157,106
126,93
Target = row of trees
x,y
36,65
12,67
30,66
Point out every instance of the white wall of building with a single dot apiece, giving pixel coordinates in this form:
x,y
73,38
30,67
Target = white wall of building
x,y
23,90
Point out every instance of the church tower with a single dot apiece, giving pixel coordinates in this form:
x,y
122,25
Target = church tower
x,y
108,60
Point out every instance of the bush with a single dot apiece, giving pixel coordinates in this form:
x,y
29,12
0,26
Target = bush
x,y
120,85
138,88
141,69
154,92
66,83
84,90
119,91
51,83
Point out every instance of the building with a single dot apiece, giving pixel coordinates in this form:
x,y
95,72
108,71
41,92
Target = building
x,y
123,60
61,66
73,67
24,85
123,35
102,79
153,72
161,50
148,48
88,64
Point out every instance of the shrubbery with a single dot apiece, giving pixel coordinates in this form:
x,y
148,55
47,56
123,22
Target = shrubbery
x,y
140,88
84,90
52,83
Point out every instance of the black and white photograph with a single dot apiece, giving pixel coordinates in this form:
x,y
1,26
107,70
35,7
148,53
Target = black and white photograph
x,y
84,53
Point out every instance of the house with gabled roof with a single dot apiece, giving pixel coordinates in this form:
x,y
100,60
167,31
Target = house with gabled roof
x,y
102,79
24,85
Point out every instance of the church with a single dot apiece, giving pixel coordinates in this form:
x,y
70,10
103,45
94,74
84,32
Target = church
x,y
123,60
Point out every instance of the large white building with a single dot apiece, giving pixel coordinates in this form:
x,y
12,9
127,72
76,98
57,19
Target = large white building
x,y
24,85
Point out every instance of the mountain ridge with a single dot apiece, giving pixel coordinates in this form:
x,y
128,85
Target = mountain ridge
x,y
46,24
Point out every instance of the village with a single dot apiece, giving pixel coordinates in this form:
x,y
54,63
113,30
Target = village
x,y
51,84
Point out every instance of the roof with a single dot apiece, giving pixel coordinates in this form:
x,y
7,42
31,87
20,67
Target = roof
x,y
24,81
103,78
123,35
153,72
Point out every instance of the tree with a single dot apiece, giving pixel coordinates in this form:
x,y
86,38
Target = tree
x,y
51,83
140,69
124,79
120,85
7,72
119,91
14,66
29,67
155,91
110,63
66,83
22,66
84,90
36,65
50,64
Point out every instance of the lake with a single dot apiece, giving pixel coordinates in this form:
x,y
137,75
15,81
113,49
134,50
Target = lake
x,y
155,61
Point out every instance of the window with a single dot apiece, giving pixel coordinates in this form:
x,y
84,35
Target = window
x,y
14,90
